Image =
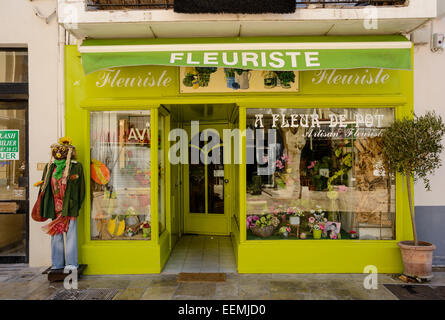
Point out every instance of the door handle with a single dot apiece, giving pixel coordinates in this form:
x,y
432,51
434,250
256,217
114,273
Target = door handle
x,y
226,180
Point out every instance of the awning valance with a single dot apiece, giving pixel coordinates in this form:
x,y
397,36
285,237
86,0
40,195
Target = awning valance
x,y
294,53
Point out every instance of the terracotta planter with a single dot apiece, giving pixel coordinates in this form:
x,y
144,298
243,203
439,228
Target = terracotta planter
x,y
417,260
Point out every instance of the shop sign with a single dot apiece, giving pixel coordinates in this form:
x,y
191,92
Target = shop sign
x,y
351,81
141,81
334,126
9,144
281,56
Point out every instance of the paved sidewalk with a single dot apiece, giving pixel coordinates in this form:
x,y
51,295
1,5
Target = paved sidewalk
x,y
20,282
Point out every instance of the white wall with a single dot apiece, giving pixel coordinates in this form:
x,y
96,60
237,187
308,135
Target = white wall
x,y
19,26
429,94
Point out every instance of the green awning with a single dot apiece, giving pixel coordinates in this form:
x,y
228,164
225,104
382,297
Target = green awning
x,y
286,54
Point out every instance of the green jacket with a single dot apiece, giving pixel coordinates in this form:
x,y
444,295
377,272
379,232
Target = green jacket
x,y
74,193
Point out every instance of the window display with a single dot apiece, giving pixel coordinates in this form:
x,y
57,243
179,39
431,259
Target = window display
x,y
120,175
318,174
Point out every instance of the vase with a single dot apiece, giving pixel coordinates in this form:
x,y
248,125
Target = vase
x,y
285,85
294,221
146,232
230,82
317,234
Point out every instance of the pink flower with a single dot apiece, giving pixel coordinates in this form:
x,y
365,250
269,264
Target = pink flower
x,y
312,164
342,188
311,220
285,157
276,211
279,164
322,227
333,235
290,211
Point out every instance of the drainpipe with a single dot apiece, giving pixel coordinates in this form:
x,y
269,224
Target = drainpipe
x,y
61,82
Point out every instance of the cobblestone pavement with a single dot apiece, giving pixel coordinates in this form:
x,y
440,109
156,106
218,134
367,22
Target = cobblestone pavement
x,y
20,282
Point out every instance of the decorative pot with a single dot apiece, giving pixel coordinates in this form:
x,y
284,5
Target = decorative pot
x,y
146,232
294,221
263,232
285,85
270,80
231,82
417,260
317,234
285,235
243,80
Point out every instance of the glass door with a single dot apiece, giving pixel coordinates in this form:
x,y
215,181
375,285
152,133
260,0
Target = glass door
x,y
206,184
13,182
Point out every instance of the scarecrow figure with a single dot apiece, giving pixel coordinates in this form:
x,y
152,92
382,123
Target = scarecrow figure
x,y
62,191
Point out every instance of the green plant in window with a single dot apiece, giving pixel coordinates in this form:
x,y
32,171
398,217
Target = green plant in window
x,y
264,221
345,159
286,78
188,80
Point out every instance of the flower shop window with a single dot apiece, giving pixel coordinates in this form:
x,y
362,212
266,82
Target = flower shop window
x,y
120,175
318,174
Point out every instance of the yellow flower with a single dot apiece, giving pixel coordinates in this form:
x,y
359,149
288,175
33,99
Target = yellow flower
x,y
38,183
65,140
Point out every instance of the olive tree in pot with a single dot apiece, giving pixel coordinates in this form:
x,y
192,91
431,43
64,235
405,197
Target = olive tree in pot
x,y
412,147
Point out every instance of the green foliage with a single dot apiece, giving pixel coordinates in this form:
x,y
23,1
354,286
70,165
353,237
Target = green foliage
x,y
286,76
412,147
264,221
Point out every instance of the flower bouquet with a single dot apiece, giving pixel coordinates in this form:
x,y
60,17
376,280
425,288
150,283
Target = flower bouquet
x,y
294,215
317,223
145,226
284,231
263,226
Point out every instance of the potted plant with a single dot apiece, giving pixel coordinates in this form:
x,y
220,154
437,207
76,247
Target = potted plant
x,y
295,215
263,226
284,231
204,75
286,78
317,223
270,79
412,147
145,226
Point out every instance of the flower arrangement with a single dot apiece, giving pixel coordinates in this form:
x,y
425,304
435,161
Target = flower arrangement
x,y
145,227
262,226
317,221
280,166
145,224
264,221
353,234
284,229
295,212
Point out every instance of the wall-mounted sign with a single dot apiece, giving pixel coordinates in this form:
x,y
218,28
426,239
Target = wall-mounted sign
x,y
130,82
230,80
351,81
9,144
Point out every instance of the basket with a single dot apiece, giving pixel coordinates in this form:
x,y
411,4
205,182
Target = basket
x,y
263,232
